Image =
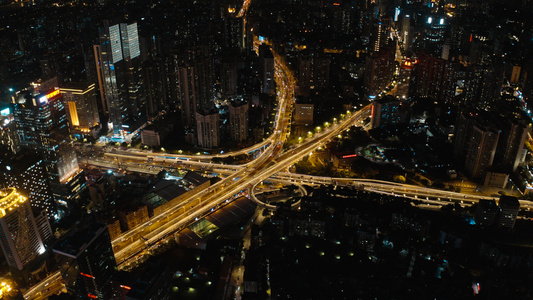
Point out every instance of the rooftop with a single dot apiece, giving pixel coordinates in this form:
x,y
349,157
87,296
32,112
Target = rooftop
x,y
78,239
10,199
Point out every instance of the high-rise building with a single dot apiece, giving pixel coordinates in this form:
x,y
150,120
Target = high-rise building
x,y
434,33
187,85
511,146
481,86
119,70
303,114
228,77
386,111
233,32
87,261
26,172
313,73
479,154
434,78
484,141
195,84
42,127
82,110
19,235
380,33
380,67
208,128
509,208
238,121
267,60
406,34
8,137
486,212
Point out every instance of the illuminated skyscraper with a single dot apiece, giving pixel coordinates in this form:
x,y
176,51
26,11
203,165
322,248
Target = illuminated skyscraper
x,y
42,127
119,71
26,172
380,34
19,236
8,139
82,110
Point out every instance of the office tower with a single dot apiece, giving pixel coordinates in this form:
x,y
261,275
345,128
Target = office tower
x,y
380,33
486,212
26,172
119,70
238,121
42,127
195,84
406,34
87,261
313,73
303,114
380,67
434,33
8,137
386,111
19,236
267,61
207,126
509,208
82,110
43,225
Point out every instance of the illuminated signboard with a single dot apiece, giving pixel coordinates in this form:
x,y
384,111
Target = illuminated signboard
x,y
349,156
43,99
4,112
53,94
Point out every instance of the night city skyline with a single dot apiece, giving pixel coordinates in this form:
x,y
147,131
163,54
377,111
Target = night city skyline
x,y
266,149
